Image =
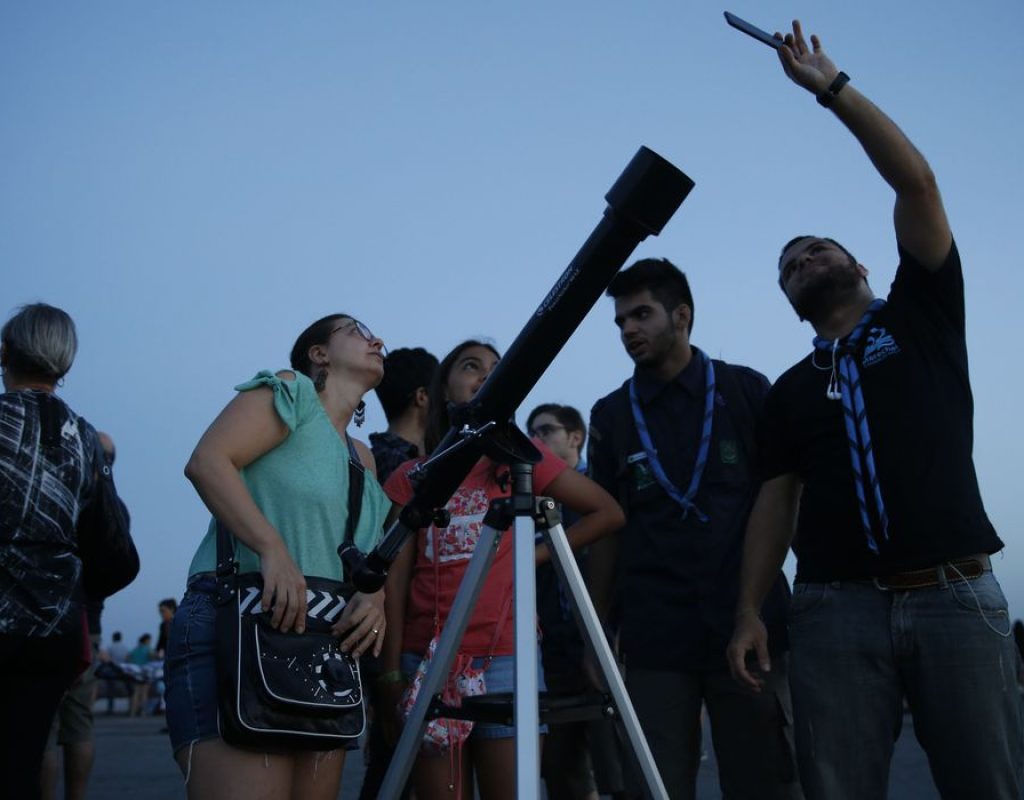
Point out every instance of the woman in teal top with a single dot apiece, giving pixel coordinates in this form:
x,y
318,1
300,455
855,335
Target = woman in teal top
x,y
273,468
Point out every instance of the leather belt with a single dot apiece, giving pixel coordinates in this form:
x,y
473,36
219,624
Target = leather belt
x,y
959,570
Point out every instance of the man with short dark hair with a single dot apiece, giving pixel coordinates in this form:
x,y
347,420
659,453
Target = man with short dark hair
x,y
867,461
675,444
403,394
118,650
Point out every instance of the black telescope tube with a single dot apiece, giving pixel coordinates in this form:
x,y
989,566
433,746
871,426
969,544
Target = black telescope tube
x,y
640,203
642,200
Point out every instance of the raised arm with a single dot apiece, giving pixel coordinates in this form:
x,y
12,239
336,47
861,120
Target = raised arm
x,y
920,219
770,531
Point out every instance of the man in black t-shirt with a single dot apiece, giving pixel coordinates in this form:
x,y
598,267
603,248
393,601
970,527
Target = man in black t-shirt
x,y
866,458
675,444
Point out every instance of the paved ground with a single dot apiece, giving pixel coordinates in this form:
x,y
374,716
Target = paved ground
x,y
133,761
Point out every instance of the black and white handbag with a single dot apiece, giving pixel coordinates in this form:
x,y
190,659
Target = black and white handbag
x,y
286,691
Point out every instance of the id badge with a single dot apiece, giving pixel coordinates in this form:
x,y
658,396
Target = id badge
x,y
640,472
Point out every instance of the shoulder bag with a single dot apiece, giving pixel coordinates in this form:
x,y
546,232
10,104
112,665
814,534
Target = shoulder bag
x,y
109,558
286,691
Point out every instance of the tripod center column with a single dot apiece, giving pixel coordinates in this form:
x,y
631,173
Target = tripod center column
x,y
527,714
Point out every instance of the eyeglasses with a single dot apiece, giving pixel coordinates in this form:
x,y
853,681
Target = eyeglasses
x,y
544,431
355,326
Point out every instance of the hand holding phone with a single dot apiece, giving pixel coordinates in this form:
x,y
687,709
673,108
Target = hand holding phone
x,y
752,30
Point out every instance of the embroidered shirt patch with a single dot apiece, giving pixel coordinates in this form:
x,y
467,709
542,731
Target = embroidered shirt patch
x,y
729,451
880,345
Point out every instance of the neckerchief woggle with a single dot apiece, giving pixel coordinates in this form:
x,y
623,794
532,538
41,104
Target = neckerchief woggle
x,y
685,501
862,456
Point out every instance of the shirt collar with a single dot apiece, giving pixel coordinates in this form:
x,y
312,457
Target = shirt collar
x,y
690,379
392,441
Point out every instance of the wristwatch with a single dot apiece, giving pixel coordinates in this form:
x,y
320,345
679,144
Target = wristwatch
x,y
828,97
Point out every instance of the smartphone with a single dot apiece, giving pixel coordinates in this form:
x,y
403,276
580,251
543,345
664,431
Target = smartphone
x,y
751,30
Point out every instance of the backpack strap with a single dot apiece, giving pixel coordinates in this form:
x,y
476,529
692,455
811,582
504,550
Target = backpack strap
x,y
739,405
91,449
620,430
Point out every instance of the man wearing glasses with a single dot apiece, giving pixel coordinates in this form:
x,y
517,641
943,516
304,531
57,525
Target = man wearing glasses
x,y
675,445
566,764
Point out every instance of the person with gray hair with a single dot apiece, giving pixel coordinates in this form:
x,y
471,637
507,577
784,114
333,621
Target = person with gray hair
x,y
46,463
40,343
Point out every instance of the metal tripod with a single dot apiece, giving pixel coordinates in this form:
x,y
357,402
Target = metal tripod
x,y
529,515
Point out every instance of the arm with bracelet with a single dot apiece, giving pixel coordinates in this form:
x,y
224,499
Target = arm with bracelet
x,y
920,220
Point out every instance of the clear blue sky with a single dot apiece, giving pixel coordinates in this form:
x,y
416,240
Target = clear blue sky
x,y
195,182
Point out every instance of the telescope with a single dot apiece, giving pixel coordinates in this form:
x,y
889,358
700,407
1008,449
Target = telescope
x,y
640,203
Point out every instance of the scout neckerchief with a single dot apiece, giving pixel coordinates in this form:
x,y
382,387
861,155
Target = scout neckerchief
x,y
685,501
862,455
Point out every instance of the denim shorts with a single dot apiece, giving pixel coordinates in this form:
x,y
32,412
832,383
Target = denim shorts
x,y
190,668
499,678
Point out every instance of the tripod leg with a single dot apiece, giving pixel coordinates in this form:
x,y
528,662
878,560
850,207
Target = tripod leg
x,y
569,572
527,713
462,608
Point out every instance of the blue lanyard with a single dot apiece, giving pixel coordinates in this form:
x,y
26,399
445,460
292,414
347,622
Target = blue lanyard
x,y
685,501
858,435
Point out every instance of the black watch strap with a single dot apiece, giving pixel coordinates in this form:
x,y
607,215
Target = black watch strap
x,y
828,97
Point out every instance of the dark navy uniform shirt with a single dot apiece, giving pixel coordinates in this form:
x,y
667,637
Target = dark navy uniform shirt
x,y
679,578
561,643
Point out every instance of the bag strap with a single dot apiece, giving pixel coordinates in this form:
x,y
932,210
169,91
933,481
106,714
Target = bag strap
x,y
227,565
356,480
91,441
619,435
739,406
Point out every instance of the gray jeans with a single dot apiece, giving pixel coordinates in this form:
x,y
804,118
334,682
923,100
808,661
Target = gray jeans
x,y
859,652
751,733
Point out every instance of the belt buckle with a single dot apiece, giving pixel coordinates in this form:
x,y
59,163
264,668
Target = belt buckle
x,y
881,586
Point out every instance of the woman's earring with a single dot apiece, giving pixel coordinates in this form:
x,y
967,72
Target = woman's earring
x,y
360,414
320,381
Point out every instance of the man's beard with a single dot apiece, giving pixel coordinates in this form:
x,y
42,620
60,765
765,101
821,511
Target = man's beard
x,y
818,299
659,345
